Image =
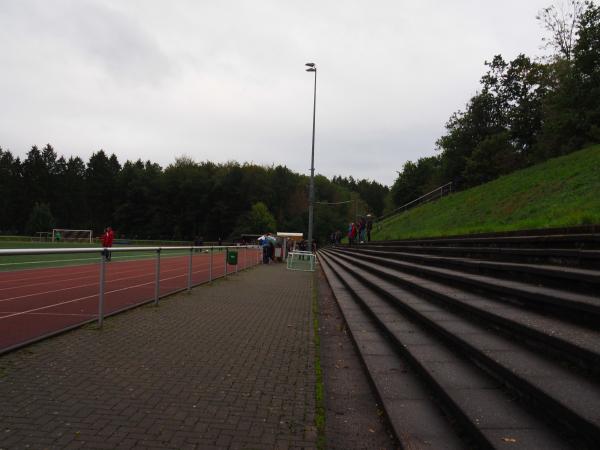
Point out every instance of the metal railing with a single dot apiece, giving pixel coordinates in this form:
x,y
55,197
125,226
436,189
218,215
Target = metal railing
x,y
207,254
438,192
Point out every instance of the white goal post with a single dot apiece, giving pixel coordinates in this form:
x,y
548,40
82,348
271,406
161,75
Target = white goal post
x,y
301,260
66,235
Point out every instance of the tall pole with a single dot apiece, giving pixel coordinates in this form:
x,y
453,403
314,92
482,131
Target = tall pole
x,y
311,194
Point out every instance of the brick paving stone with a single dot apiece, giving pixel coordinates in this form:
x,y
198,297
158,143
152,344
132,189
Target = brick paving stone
x,y
229,365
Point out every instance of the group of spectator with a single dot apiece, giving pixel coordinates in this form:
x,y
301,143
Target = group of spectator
x,y
360,232
267,243
304,246
335,237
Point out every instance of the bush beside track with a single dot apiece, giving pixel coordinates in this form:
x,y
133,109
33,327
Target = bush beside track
x,y
561,192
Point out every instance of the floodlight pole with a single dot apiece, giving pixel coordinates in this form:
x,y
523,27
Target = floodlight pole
x,y
311,193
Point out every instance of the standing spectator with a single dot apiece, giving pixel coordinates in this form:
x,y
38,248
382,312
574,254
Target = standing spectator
x,y
369,226
107,242
351,233
198,242
338,237
265,245
272,241
362,230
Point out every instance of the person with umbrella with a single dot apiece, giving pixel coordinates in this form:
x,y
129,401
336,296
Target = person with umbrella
x,y
264,245
272,242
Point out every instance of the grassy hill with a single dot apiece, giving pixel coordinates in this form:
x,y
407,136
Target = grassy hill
x,y
560,192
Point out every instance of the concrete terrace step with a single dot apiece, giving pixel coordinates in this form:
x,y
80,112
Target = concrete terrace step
x,y
590,279
554,256
576,241
577,344
476,399
559,394
416,420
562,301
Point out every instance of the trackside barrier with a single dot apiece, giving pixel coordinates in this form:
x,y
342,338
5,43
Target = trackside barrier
x,y
157,278
178,253
101,294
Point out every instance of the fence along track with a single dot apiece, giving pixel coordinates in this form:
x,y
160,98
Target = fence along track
x,y
469,349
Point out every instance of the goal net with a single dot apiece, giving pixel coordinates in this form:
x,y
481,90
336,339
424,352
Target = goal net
x,y
42,236
66,235
300,260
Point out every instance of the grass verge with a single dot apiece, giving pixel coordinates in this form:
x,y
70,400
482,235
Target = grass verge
x,y
560,192
319,386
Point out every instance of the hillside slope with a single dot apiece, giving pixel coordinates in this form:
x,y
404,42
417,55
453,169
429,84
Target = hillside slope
x,y
560,192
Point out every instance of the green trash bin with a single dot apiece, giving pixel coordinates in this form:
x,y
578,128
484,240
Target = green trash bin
x,y
232,257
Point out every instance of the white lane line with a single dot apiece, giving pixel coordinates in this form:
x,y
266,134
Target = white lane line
x,y
53,314
90,296
60,267
44,261
91,275
33,294
24,263
41,276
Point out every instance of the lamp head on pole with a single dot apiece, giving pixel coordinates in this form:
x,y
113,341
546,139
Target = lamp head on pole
x,y
310,64
312,69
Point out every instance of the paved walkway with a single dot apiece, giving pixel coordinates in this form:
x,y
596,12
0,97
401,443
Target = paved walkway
x,y
228,366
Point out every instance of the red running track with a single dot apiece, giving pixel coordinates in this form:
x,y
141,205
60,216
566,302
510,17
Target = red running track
x,y
40,302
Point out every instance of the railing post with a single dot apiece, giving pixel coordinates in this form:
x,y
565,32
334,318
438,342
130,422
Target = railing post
x,y
210,264
101,293
157,281
237,262
226,255
190,270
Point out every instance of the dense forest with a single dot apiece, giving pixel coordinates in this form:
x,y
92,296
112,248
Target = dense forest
x,y
186,199
526,111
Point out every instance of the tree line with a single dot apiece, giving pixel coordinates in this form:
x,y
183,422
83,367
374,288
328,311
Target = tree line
x,y
525,112
182,201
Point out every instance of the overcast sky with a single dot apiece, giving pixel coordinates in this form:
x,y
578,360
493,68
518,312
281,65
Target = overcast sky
x,y
224,80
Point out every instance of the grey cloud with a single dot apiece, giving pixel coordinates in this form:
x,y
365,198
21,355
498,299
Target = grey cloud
x,y
225,80
99,34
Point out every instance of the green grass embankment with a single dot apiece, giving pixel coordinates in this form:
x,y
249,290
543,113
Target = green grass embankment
x,y
560,192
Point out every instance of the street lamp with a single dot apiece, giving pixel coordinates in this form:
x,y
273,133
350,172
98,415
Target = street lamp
x,y
311,193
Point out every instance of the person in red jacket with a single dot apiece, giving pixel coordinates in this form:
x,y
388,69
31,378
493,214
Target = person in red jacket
x,y
107,242
351,233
